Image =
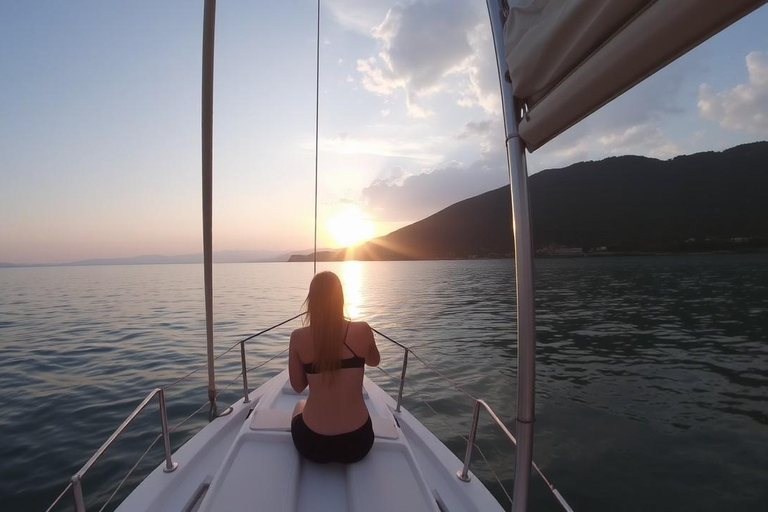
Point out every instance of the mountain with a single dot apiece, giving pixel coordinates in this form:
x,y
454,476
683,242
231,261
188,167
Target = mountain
x,y
710,200
229,256
282,256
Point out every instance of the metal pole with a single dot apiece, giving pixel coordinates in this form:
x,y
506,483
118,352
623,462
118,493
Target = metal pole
x,y
521,225
245,373
464,473
526,322
402,380
561,500
169,464
77,491
209,29
317,131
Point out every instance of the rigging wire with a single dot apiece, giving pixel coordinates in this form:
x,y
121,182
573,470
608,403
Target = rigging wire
x,y
225,352
418,396
317,131
455,386
171,431
57,500
427,365
415,393
133,468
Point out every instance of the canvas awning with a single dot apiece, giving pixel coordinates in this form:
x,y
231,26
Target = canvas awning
x,y
567,58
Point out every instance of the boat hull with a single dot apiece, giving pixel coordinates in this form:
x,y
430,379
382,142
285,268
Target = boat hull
x,y
246,461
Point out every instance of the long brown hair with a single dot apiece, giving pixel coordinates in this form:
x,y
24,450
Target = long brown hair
x,y
325,316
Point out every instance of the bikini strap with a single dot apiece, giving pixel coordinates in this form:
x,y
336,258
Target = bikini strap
x,y
345,341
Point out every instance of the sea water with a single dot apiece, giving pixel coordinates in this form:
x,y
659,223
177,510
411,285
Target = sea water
x,y
652,373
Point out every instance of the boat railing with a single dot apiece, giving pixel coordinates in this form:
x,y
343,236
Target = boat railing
x,y
75,483
169,464
463,473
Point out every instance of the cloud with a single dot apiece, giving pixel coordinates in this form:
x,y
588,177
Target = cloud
x,y
490,132
628,125
378,80
395,147
419,44
413,109
356,15
643,139
475,128
445,48
410,197
424,42
482,87
744,107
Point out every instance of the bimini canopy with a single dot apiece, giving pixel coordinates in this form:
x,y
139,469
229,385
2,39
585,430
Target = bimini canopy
x,y
567,58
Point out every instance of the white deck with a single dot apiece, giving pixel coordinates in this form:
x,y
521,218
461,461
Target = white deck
x,y
246,461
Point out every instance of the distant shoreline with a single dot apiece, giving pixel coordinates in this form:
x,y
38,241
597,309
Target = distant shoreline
x,y
301,258
602,254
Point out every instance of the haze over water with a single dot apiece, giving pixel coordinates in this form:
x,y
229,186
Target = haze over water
x,y
651,372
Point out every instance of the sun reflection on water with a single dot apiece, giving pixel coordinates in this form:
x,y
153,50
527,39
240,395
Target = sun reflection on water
x,y
352,280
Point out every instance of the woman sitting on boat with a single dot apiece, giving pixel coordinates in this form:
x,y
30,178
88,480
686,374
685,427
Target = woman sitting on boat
x,y
329,355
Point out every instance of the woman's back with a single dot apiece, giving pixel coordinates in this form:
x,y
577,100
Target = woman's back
x,y
335,404
329,356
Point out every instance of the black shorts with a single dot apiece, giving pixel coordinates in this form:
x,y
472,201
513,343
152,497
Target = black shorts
x,y
343,448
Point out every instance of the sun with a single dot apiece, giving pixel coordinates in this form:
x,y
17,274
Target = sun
x,y
349,226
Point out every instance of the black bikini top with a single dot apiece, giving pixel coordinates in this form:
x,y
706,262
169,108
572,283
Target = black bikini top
x,y
349,362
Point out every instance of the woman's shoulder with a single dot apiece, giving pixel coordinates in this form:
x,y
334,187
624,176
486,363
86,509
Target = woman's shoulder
x,y
360,325
360,329
300,333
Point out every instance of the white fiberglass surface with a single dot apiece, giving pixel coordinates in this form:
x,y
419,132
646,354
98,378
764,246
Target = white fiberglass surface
x,y
260,474
263,471
388,479
323,487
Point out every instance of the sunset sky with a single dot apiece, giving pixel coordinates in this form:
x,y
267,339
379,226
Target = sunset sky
x,y
100,120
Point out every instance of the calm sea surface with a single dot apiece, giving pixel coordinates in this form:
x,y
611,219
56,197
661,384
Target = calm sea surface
x,y
652,372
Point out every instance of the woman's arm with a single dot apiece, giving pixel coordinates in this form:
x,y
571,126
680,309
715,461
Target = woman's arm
x,y
295,367
373,358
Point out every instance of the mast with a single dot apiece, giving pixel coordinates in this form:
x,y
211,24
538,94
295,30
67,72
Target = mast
x,y
521,225
209,29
